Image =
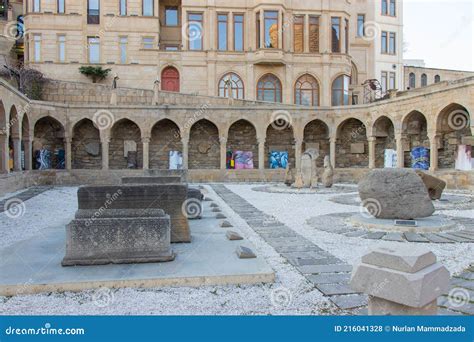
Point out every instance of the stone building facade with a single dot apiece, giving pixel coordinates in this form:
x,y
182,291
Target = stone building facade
x,y
303,52
417,76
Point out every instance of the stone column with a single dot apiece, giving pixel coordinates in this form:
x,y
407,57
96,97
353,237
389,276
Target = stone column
x,y
400,153
68,142
332,150
104,142
185,143
298,153
223,150
5,153
306,33
146,152
371,141
406,280
433,152
28,146
261,154
17,154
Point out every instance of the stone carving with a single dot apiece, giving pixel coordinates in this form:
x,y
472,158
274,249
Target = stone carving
x,y
327,177
93,148
395,194
306,169
402,281
298,184
109,228
151,180
288,176
434,185
204,147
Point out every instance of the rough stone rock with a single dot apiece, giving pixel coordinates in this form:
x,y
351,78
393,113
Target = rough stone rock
x,y
245,253
226,224
221,216
327,178
434,185
214,205
216,210
233,236
207,199
395,194
93,148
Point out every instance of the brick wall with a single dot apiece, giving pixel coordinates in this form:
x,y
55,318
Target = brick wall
x,y
85,134
204,146
48,134
124,130
243,137
165,137
317,132
352,132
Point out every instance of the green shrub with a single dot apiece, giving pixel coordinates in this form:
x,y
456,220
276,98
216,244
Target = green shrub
x,y
95,73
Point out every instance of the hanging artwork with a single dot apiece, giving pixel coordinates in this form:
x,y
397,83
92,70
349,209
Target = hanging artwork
x,y
390,158
229,160
463,158
278,159
176,160
420,158
243,160
43,159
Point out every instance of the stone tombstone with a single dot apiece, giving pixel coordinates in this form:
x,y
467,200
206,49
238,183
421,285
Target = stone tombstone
x,y
434,185
306,169
327,178
103,232
396,194
406,280
168,197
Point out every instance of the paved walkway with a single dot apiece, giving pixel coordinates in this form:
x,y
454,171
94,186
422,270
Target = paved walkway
x,y
329,274
23,196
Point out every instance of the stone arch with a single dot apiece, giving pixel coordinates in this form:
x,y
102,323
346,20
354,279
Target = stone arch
x,y
383,131
86,146
415,134
280,138
242,136
165,138
453,128
25,141
316,135
204,146
125,135
4,132
352,149
14,141
49,144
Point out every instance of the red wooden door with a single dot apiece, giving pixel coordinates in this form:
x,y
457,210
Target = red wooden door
x,y
170,79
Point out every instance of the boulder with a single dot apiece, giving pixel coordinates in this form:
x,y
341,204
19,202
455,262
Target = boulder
x,y
395,194
434,185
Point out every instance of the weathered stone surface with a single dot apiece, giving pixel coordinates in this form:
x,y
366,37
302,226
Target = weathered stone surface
x,y
233,236
434,185
327,177
118,237
169,197
395,194
152,180
245,253
214,205
226,224
93,148
221,216
216,210
405,258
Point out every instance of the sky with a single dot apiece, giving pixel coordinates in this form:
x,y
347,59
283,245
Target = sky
x,y
441,32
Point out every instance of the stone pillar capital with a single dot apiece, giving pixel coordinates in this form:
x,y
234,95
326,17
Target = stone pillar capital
x,y
146,140
371,139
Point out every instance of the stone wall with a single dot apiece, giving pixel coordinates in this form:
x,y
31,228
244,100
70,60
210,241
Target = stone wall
x,y
352,145
86,148
316,132
416,136
204,146
279,139
48,134
122,131
243,137
449,147
165,137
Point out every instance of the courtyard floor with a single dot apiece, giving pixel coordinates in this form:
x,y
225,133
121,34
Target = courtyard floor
x,y
311,264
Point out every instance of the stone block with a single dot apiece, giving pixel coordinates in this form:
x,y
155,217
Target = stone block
x,y
410,259
152,180
233,236
357,148
226,224
434,185
245,253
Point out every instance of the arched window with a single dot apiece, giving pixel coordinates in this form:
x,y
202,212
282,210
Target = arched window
x,y
412,80
234,82
170,79
437,79
424,80
340,91
307,91
269,89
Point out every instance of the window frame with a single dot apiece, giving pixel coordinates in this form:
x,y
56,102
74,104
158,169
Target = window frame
x,y
226,32
63,4
37,47
63,44
93,19
299,20
424,80
345,80
123,2
242,15
412,80
152,8
276,81
359,16
315,89
316,24
437,79
123,47
392,76
36,6
333,35
265,19
177,16
225,89
89,60
148,40
201,25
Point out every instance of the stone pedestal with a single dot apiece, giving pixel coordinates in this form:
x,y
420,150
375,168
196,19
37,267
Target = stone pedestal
x,y
169,197
402,281
112,236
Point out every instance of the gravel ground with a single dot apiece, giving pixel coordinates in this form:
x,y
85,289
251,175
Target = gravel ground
x,y
291,294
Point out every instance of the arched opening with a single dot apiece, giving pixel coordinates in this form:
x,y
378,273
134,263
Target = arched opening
x,y
48,144
352,150
231,83
316,137
86,146
340,91
25,142
170,79
166,148
125,148
412,80
455,148
14,141
280,146
307,91
437,79
269,89
204,146
4,131
242,146
385,144
415,131
424,80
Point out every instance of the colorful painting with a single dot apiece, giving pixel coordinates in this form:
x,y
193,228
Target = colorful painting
x,y
176,160
43,159
420,158
229,160
243,160
278,159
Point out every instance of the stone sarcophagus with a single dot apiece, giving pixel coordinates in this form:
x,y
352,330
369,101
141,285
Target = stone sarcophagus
x,y
152,180
169,197
117,236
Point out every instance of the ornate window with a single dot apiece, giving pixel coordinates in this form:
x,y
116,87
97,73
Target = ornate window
x,y
340,91
269,89
231,82
307,91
